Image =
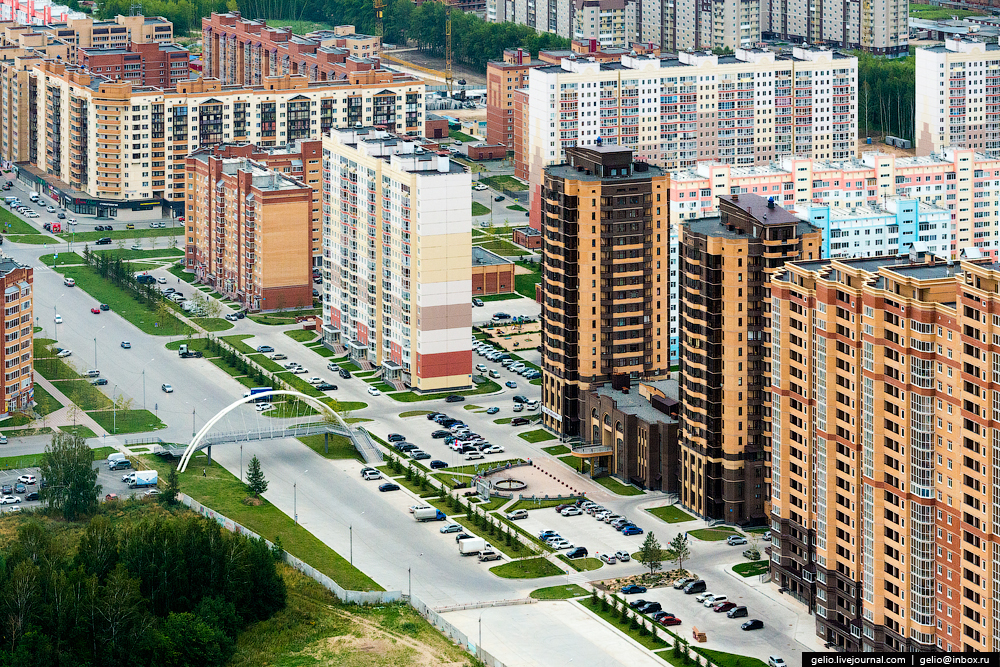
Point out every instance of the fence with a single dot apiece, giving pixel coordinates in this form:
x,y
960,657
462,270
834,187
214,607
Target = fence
x,y
355,597
536,499
453,633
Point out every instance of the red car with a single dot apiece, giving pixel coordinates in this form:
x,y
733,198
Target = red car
x,y
95,311
723,606
111,496
670,620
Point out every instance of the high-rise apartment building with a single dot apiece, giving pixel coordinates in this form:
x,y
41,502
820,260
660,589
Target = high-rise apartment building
x,y
956,92
680,25
726,264
252,233
121,148
397,258
881,28
503,78
611,23
17,282
116,33
885,513
882,230
150,64
744,110
553,16
605,290
246,51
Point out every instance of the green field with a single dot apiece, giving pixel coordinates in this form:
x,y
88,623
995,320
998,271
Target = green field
x,y
45,402
11,224
504,183
127,421
302,335
341,447
300,27
461,136
555,450
213,324
712,534
83,394
529,568
524,284
80,430
753,568
670,514
558,592
517,207
582,564
614,619
146,318
215,487
55,369
538,435
722,659
504,249
32,460
932,13
479,209
614,486
487,387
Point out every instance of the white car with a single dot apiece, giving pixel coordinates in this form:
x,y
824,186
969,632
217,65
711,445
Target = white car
x,y
298,370
167,388
559,545
263,407
718,599
370,475
474,456
315,380
72,221
64,353
9,500
27,479
372,391
481,368
493,449
572,511
50,209
479,187
161,280
704,597
58,319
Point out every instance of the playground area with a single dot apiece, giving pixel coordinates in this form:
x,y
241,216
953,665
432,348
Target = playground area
x,y
516,337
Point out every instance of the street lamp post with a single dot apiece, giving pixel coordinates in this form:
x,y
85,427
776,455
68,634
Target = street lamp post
x,y
241,463
295,497
114,411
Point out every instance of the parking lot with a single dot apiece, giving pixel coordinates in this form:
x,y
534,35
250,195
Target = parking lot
x,y
110,481
584,531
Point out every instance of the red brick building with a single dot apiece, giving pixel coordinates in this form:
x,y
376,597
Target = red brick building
x,y
435,127
301,160
491,273
487,152
160,65
527,237
502,79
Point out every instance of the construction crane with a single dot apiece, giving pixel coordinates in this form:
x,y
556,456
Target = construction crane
x,y
379,7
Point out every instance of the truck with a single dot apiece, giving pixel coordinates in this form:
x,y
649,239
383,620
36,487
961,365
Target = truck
x,y
184,353
471,546
143,478
253,391
429,514
145,279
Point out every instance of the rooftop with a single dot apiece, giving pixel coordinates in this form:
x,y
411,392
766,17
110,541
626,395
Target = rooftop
x,y
483,257
633,403
7,265
757,207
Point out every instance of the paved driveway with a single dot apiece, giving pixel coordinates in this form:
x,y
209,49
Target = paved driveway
x,y
583,531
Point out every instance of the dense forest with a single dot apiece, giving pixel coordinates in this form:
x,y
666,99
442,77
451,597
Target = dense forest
x,y
149,588
886,96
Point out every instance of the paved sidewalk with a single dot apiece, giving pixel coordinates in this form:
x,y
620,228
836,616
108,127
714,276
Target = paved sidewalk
x,y
62,416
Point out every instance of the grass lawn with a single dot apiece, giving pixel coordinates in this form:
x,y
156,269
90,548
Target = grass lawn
x,y
14,225
939,13
46,403
479,209
504,249
288,409
32,239
127,421
473,469
302,335
502,420
63,258
223,492
538,435
670,514
487,387
753,568
414,413
302,27
556,450
299,384
266,363
574,462
213,323
80,430
55,369
461,136
559,592
614,618
582,564
236,340
517,550
83,394
32,460
341,446
517,207
504,183
524,284
530,568
283,317
84,237
500,297
712,534
145,317
722,659
614,486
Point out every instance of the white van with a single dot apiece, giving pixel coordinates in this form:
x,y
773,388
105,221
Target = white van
x,y
115,458
34,196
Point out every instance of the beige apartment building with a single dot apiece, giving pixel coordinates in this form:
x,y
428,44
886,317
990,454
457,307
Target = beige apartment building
x,y
880,27
397,258
885,382
116,33
726,264
251,235
605,284
107,147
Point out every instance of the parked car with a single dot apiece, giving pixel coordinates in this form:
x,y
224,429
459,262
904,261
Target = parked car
x,y
265,348
623,556
474,456
511,384
454,398
632,530
609,559
492,410
20,488
572,511
451,528
326,386
518,421
753,624
64,353
438,465
396,437
33,495
419,455
578,552
345,374
388,486
99,382
724,607
775,661
737,612
635,604
670,620
27,479
517,514
736,540
633,588
650,607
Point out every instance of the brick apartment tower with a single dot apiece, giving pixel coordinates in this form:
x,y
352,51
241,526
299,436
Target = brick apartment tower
x,y
885,492
605,282
502,79
723,274
17,282
252,232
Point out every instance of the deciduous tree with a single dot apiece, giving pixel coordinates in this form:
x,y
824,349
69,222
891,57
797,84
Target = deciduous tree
x,y
71,477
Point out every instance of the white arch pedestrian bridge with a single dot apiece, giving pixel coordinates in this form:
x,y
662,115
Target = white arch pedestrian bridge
x,y
266,428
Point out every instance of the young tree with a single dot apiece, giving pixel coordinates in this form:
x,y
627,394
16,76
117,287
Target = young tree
x,y
256,484
67,467
678,550
169,495
651,554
